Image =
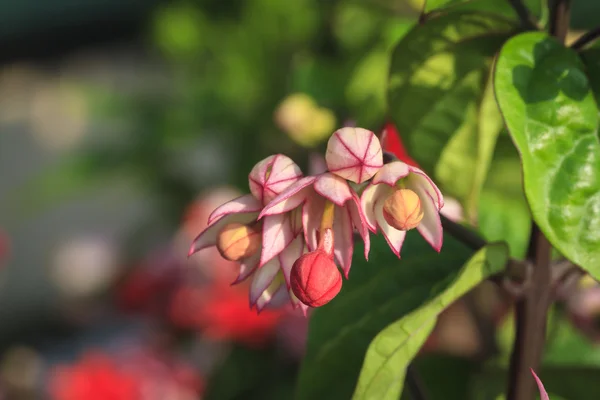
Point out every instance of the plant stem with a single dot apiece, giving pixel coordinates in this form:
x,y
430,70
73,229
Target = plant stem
x,y
523,14
586,38
465,235
414,384
560,16
531,316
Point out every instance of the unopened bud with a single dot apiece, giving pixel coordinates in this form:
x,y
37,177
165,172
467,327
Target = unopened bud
x,y
237,241
402,210
315,279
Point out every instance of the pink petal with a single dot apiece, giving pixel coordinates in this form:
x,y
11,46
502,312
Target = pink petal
x,y
420,178
256,177
247,267
208,237
367,203
312,212
276,235
540,385
354,154
360,222
288,257
431,226
394,237
284,172
344,243
390,173
262,279
316,164
333,188
243,204
290,198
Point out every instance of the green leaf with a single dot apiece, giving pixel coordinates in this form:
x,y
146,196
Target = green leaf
x,y
465,161
438,99
549,109
497,7
503,211
431,5
378,293
384,368
591,58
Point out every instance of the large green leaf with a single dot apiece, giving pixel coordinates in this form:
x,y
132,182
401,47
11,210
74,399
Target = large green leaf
x,y
438,101
378,293
491,6
549,109
384,368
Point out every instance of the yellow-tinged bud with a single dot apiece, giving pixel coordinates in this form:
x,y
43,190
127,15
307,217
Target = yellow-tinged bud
x,y
402,209
237,241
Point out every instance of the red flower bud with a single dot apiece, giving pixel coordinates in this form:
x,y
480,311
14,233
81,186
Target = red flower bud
x,y
315,279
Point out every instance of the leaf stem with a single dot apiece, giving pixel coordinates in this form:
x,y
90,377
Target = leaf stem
x,y
523,14
586,39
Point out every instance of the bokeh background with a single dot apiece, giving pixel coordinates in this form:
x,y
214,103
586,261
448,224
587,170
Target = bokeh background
x,y
122,125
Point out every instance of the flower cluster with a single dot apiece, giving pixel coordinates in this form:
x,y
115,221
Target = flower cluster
x,y
292,232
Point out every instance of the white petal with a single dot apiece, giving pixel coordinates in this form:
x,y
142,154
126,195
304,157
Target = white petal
x,y
208,237
247,267
420,178
276,235
431,226
359,221
394,237
390,173
312,212
288,257
275,295
290,198
262,279
344,243
243,204
333,188
367,203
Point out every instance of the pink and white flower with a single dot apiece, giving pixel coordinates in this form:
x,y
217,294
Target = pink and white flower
x,y
281,242
354,154
401,197
308,197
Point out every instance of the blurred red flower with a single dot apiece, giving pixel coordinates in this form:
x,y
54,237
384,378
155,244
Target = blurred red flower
x,y
137,375
392,142
221,312
95,377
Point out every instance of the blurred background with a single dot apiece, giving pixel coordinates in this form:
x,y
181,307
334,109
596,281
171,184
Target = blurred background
x,y
123,124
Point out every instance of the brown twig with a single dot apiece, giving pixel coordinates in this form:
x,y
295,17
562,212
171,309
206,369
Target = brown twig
x,y
523,14
586,39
